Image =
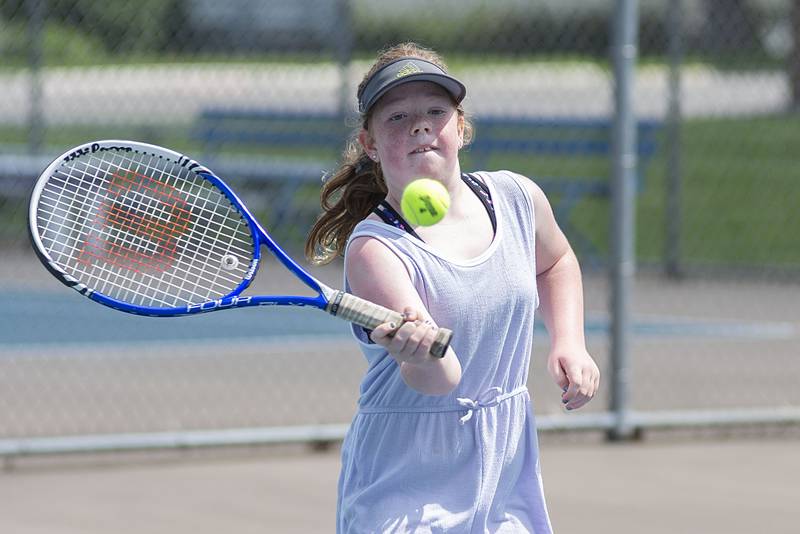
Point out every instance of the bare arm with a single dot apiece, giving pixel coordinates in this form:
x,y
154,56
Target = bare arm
x,y
560,286
376,274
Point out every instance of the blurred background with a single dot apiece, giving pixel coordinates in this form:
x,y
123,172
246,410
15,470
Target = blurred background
x,y
262,91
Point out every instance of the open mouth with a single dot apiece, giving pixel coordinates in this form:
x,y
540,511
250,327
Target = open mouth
x,y
422,150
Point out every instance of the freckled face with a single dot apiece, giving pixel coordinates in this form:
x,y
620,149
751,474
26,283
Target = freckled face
x,y
416,132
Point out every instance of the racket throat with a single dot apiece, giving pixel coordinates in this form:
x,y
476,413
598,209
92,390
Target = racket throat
x,y
334,299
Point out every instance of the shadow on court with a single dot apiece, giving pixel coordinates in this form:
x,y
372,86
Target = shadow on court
x,y
703,487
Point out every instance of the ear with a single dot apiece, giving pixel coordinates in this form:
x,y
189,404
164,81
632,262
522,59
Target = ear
x,y
462,122
366,141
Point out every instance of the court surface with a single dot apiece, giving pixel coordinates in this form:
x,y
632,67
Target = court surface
x,y
71,367
697,344
701,487
677,311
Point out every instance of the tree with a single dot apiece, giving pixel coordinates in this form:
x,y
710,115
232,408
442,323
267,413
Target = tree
x,y
731,27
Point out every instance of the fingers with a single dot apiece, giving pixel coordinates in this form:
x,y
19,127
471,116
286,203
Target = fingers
x,y
583,383
410,341
557,372
383,333
410,314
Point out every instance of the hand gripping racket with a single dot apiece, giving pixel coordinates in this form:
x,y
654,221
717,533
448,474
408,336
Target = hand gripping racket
x,y
146,230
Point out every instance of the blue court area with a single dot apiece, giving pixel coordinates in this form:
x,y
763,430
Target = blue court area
x,y
67,318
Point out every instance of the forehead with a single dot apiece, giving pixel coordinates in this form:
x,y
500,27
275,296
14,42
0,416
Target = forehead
x,y
411,91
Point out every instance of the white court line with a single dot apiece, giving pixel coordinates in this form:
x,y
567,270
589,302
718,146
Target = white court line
x,y
671,328
148,348
686,327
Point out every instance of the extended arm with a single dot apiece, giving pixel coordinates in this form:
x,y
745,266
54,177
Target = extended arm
x,y
560,286
376,274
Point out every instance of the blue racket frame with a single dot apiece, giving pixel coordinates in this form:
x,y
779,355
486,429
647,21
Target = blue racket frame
x,y
337,303
232,299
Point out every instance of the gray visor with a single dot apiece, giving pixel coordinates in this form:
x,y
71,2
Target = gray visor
x,y
403,70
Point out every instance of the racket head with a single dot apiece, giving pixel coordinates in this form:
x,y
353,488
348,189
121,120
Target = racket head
x,y
142,229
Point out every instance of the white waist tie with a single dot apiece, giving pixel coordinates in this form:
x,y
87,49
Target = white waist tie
x,y
490,397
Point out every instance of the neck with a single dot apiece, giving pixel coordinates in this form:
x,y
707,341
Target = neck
x,y
461,198
454,184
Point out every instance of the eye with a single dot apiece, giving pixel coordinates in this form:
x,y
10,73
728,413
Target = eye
x,y
437,111
394,117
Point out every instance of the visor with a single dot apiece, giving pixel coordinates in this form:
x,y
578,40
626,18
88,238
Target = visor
x,y
403,70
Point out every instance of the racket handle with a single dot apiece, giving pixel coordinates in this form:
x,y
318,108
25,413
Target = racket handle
x,y
369,315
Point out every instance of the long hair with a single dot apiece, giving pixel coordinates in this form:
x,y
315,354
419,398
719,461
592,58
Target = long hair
x,y
357,187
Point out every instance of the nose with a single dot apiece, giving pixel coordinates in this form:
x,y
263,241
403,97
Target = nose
x,y
421,124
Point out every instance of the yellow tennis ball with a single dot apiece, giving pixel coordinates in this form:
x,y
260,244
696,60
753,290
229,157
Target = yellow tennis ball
x,y
425,202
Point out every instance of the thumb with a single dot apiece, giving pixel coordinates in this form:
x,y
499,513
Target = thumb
x,y
558,374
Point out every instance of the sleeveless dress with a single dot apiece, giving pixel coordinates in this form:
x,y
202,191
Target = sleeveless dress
x,y
466,462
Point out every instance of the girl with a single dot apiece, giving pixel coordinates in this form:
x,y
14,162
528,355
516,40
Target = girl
x,y
446,444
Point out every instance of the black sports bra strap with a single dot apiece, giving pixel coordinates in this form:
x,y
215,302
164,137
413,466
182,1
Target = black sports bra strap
x,y
482,191
389,215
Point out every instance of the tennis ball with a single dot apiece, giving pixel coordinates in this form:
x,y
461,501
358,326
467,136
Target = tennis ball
x,y
425,202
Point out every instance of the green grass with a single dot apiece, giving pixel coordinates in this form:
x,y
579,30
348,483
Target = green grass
x,y
740,192
62,137
739,202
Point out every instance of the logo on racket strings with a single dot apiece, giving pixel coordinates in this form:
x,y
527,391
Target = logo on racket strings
x,y
137,226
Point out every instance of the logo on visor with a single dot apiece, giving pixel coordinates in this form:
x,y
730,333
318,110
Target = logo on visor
x,y
408,69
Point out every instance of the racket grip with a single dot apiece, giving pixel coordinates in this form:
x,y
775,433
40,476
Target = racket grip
x,y
369,315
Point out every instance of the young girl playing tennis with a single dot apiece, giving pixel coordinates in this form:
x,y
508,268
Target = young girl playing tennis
x,y
446,444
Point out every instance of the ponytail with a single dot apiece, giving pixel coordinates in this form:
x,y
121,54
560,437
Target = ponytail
x,y
347,197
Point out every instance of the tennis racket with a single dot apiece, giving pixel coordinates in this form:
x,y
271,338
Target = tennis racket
x,y
146,230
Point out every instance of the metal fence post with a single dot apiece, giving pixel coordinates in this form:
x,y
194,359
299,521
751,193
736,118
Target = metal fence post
x,y
623,261
36,11
672,212
343,33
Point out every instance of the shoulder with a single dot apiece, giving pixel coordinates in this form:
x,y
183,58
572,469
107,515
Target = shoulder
x,y
373,258
511,183
370,252
509,180
545,225
377,271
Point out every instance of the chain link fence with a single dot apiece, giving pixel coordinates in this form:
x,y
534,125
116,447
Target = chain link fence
x,y
717,99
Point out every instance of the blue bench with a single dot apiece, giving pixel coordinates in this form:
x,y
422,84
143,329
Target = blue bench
x,y
223,132
563,140
271,156
220,128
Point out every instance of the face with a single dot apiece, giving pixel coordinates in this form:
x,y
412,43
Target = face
x,y
415,131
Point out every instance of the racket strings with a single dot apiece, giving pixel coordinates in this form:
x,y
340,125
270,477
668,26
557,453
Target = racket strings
x,y
142,229
81,252
113,262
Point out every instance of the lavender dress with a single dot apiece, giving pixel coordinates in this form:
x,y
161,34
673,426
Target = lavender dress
x,y
467,462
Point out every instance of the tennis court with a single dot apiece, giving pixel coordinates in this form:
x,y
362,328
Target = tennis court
x,y
696,486
72,368
88,324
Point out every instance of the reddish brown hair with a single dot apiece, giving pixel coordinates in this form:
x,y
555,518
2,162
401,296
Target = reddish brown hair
x,y
356,188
